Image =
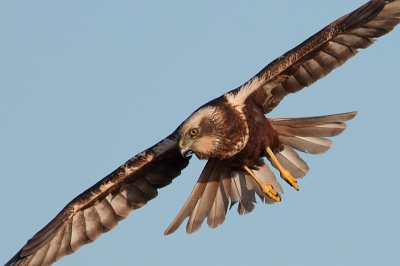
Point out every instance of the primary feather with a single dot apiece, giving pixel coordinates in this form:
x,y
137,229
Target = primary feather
x,y
231,132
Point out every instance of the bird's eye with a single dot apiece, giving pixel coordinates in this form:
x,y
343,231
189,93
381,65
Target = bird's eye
x,y
194,132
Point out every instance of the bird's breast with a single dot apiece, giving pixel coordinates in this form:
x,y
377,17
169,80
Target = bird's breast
x,y
260,136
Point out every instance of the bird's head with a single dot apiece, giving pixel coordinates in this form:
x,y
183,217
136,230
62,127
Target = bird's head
x,y
200,134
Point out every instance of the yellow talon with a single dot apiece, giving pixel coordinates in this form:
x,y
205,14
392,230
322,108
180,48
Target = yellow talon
x,y
285,174
266,187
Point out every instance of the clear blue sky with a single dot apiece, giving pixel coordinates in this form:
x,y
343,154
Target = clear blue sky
x,y
85,85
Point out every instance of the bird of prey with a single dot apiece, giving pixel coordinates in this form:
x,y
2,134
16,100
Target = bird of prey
x,y
232,133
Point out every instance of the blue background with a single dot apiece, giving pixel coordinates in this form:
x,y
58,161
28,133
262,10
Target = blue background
x,y
85,85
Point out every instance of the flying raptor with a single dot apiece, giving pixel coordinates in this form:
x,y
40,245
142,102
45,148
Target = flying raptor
x,y
232,133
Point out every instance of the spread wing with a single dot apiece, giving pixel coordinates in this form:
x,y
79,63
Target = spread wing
x,y
319,55
129,187
99,209
300,67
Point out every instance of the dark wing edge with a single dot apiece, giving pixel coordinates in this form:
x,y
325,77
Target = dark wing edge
x,y
317,56
98,209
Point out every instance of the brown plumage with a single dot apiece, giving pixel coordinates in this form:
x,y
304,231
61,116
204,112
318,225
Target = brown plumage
x,y
230,132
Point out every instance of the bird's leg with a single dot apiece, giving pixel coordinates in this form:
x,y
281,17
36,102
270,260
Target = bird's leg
x,y
285,174
266,187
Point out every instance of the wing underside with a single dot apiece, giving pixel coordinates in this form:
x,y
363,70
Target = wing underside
x,y
131,186
320,54
99,209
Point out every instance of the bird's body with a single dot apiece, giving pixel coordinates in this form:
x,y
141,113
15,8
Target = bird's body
x,y
260,136
241,134
233,134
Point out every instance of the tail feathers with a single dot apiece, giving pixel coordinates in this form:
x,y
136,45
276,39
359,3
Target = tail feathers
x,y
306,134
218,211
242,194
291,161
200,201
216,187
318,126
313,145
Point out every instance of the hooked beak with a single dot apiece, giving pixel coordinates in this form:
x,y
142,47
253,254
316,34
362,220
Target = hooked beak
x,y
185,150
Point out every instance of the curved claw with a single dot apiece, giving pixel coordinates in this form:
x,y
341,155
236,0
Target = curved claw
x,y
287,176
266,187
